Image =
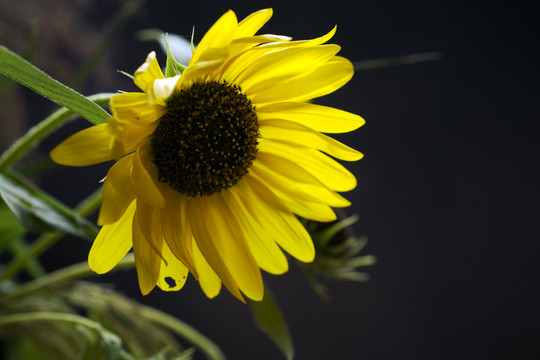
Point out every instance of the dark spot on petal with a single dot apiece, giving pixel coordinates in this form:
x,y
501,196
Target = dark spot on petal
x,y
170,281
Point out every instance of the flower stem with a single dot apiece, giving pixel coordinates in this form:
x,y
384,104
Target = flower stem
x,y
33,267
108,336
205,345
45,241
38,132
72,272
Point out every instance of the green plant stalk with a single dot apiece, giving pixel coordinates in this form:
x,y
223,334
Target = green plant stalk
x,y
45,127
60,276
49,316
54,316
45,241
205,345
76,271
33,267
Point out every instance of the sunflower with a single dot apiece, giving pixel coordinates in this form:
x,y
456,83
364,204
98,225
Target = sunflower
x,y
215,163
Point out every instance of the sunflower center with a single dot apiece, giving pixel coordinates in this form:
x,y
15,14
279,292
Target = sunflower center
x,y
207,140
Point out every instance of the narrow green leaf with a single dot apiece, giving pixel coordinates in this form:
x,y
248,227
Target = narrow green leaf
x,y
20,70
108,344
38,212
9,226
177,48
269,319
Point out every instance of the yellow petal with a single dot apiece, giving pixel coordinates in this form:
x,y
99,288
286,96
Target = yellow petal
x,y
294,198
253,22
232,246
321,81
112,243
148,72
161,90
117,192
87,147
208,280
147,261
128,136
172,273
293,181
297,134
144,177
282,64
238,63
207,243
244,38
268,255
150,225
219,35
135,108
208,62
280,224
304,43
176,229
317,117
328,171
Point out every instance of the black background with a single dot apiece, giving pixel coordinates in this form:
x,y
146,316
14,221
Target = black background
x,y
447,192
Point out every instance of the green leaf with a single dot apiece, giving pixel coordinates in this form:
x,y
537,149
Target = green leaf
x,y
57,333
110,344
269,319
38,212
177,48
20,70
9,226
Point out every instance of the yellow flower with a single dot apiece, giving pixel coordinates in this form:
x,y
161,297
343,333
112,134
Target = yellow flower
x,y
213,165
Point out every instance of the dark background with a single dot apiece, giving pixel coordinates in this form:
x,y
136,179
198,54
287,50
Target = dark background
x,y
447,192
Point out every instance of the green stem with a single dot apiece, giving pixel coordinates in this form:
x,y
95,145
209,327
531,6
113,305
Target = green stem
x,y
33,267
49,316
63,275
205,345
76,271
38,132
45,241
69,318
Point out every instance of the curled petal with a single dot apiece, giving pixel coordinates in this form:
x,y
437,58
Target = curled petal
x,y
161,90
148,72
135,108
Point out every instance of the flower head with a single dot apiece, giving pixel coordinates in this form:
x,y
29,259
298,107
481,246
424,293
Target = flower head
x,y
213,165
